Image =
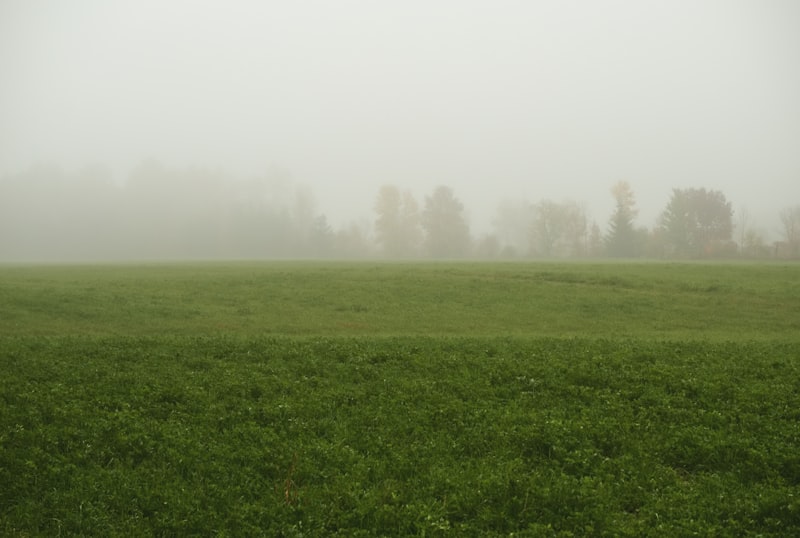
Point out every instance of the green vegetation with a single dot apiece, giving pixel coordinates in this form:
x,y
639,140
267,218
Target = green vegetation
x,y
719,302
290,399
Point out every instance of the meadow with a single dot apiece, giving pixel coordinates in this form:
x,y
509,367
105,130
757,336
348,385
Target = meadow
x,y
400,399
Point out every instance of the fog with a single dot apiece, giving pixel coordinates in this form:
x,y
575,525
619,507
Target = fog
x,y
319,104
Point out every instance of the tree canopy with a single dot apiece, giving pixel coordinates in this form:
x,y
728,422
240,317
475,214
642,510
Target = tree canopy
x,y
167,212
558,229
697,222
446,229
397,226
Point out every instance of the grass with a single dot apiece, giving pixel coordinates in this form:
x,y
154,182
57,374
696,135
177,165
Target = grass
x,y
663,301
302,399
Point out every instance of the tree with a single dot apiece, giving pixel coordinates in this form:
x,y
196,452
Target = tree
x,y
697,222
622,239
446,229
321,238
303,215
754,245
558,229
512,225
790,218
387,224
595,241
352,240
488,247
411,224
397,226
742,227
751,241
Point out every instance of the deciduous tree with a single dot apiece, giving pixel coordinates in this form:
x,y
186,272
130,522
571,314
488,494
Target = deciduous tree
x,y
512,224
558,229
397,226
697,222
446,229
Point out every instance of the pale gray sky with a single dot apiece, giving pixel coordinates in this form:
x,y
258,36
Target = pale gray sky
x,y
498,99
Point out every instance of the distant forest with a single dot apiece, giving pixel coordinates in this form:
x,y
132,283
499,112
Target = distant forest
x,y
167,213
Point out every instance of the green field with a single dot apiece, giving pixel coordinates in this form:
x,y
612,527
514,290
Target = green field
x,y
418,399
721,302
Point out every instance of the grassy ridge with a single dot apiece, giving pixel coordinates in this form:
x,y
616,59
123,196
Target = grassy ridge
x,y
302,399
664,301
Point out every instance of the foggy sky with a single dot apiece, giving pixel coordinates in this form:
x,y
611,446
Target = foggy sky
x,y
497,99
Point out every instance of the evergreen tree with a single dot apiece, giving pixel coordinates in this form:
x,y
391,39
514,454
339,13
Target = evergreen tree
x,y
622,239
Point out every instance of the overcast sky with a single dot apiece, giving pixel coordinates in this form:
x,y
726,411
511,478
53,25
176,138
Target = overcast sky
x,y
498,99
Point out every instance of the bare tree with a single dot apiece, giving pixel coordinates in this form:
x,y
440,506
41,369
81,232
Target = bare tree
x,y
752,243
742,227
790,218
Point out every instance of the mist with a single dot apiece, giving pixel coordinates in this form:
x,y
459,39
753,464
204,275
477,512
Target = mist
x,y
181,129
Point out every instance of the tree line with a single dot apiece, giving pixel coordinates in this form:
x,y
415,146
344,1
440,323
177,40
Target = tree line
x,y
163,212
696,223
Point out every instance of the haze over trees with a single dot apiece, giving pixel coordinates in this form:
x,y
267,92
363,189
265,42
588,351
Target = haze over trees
x,y
750,238
166,212
398,228
559,229
790,218
446,228
538,103
697,223
512,225
162,212
622,240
